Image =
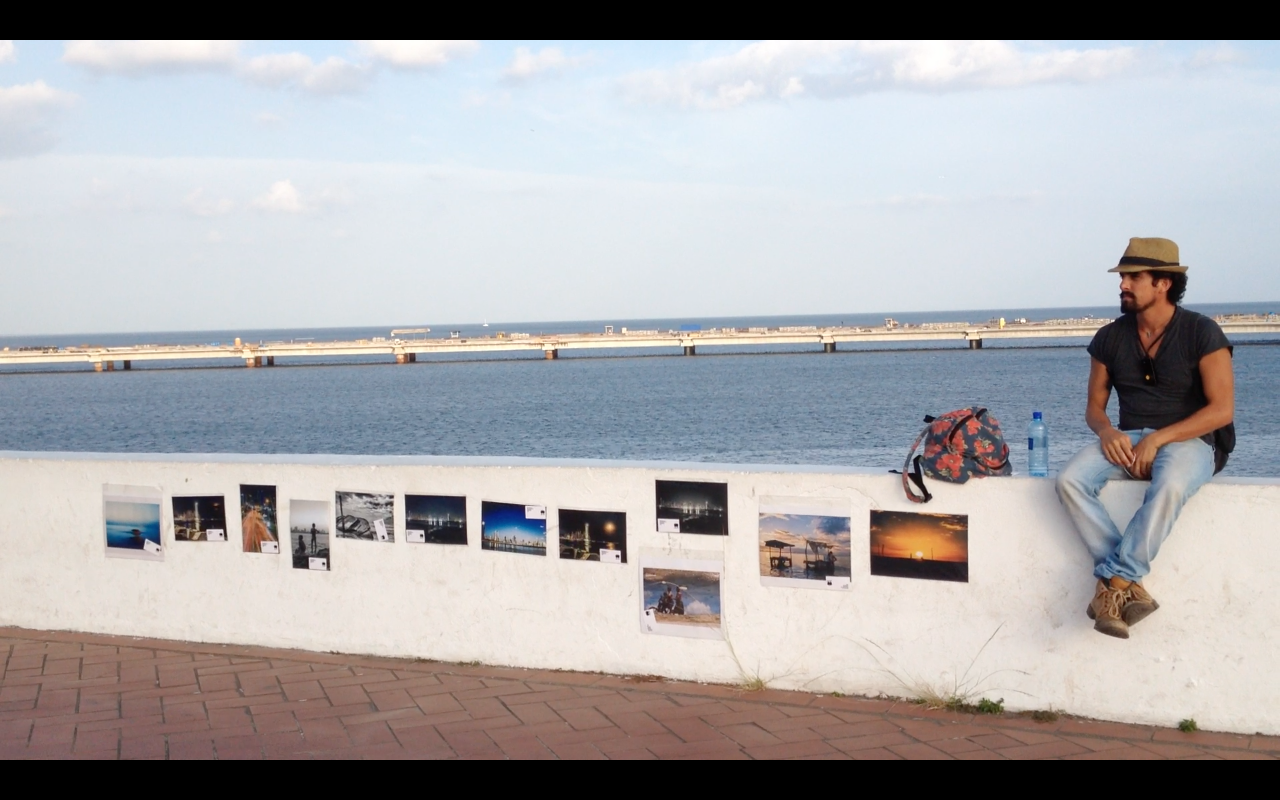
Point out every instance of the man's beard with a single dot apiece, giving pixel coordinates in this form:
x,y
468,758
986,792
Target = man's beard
x,y
1129,304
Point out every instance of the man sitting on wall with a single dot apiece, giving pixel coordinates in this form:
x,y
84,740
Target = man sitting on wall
x,y
1171,369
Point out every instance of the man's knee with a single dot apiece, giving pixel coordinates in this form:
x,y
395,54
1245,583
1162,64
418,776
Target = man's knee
x,y
1073,483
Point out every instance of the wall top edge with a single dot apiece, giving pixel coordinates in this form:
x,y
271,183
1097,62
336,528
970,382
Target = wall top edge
x,y
326,460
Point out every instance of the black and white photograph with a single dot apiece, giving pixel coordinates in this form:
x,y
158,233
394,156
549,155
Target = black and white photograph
x,y
309,534
435,519
361,515
693,507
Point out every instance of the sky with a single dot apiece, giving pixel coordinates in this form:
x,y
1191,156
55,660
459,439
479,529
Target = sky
x,y
159,186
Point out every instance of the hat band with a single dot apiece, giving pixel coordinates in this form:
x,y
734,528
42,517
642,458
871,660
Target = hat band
x,y
1140,261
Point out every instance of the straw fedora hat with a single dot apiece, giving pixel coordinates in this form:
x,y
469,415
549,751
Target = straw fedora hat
x,y
1146,254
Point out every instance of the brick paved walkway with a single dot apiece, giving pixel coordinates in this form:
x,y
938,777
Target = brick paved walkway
x,y
69,695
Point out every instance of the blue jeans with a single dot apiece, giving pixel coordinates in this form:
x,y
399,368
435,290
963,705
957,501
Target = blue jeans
x,y
1179,470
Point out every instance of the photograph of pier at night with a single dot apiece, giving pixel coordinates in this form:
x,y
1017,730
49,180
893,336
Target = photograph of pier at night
x,y
439,518
907,544
693,507
584,535
194,517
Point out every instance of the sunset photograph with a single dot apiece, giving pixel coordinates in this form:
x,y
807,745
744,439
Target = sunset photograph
x,y
906,544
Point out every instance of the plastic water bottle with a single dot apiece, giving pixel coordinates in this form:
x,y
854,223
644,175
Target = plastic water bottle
x,y
1038,446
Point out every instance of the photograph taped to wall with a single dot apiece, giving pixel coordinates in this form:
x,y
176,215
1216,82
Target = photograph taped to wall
x,y
680,597
435,519
693,507
258,519
907,544
513,528
309,534
131,518
361,515
805,542
200,518
593,535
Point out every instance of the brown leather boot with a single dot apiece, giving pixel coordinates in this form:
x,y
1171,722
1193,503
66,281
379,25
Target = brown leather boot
x,y
1139,606
1105,610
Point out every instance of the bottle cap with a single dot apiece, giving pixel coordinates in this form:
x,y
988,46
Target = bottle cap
x,y
1036,415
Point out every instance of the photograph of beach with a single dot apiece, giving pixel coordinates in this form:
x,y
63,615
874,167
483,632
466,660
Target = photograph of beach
x,y
194,517
132,520
365,516
584,534
681,597
693,507
907,544
441,519
802,549
258,518
512,528
309,534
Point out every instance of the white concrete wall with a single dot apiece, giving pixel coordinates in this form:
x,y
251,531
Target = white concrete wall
x,y
1211,652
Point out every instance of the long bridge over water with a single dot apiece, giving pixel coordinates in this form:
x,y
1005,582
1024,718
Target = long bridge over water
x,y
407,350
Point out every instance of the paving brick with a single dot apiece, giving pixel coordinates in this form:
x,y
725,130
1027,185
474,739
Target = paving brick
x,y
790,750
585,719
919,751
1054,749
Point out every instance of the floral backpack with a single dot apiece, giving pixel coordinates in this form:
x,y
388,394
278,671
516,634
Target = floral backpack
x,y
958,445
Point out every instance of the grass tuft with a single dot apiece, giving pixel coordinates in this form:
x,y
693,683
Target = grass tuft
x,y
1041,715
1188,725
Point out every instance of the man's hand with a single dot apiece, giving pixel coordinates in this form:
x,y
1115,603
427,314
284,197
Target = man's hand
x,y
1117,447
1144,455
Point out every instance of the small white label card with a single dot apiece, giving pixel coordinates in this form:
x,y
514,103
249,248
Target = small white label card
x,y
318,563
834,582
215,535
668,525
420,537
380,528
650,620
608,556
150,546
535,512
271,547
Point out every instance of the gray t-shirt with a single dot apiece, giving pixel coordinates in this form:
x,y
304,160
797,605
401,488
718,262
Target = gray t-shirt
x,y
1178,391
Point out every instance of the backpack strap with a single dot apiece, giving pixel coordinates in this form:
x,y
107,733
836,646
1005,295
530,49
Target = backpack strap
x,y
911,472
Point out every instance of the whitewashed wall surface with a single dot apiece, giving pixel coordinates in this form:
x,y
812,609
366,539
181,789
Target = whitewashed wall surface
x,y
1212,651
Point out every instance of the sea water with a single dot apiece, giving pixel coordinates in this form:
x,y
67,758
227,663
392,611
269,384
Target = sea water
x,y
780,405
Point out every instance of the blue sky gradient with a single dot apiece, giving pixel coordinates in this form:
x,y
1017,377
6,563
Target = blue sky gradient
x,y
149,186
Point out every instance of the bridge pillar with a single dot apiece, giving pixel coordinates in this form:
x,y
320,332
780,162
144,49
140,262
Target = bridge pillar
x,y
975,344
828,347
690,350
111,366
413,358
271,361
128,364
250,361
551,355
97,366
400,359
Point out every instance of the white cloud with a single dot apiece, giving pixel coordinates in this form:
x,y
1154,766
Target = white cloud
x,y
269,119
1222,55
781,69
417,53
527,64
5,211
202,206
6,51
27,114
285,198
692,606
331,76
282,197
145,57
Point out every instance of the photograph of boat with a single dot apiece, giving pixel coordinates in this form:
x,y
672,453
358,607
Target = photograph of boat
x,y
804,547
361,515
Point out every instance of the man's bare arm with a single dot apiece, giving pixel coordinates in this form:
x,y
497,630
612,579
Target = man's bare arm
x,y
1115,444
1219,390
